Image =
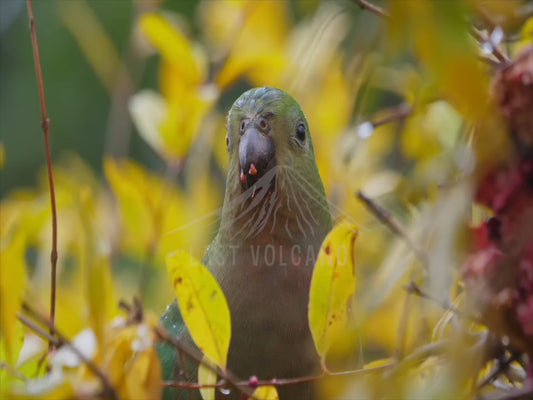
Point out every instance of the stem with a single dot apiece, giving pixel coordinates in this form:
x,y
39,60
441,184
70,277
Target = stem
x,y
390,222
496,51
397,113
283,382
45,126
232,380
367,5
413,288
59,339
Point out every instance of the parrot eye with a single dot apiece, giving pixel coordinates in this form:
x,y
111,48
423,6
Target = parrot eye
x,y
300,132
242,127
227,141
263,124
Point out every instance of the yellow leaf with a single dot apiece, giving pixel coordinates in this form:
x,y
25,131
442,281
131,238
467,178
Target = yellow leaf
x,y
100,293
143,379
526,35
129,184
12,284
444,48
130,361
381,362
257,39
206,377
266,393
332,287
202,305
262,65
186,108
173,46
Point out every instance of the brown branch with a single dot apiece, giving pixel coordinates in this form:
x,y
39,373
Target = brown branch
x,y
231,379
280,382
502,366
496,51
37,329
367,5
192,385
59,339
394,114
45,126
413,288
388,219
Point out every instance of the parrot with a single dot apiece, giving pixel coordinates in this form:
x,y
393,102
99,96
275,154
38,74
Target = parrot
x,y
274,217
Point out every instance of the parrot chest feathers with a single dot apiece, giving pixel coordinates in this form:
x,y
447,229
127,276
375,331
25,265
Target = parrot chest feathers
x,y
264,267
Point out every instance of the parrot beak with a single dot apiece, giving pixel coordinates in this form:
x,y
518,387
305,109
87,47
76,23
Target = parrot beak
x,y
256,155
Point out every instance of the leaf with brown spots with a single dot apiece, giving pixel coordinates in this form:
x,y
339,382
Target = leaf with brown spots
x,y
332,287
202,305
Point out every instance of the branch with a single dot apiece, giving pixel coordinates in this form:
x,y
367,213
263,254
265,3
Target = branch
x,y
395,114
367,5
413,288
253,382
496,51
45,125
5,366
500,368
388,219
192,385
59,339
478,35
231,379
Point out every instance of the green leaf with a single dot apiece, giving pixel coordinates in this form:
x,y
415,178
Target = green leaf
x,y
202,305
332,287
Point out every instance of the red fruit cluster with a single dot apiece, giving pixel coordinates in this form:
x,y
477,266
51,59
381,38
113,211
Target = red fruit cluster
x,y
499,270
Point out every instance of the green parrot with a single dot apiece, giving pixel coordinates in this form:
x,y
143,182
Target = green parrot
x,y
274,218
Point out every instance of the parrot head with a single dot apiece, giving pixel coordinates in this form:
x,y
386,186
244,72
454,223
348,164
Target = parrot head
x,y
272,179
266,129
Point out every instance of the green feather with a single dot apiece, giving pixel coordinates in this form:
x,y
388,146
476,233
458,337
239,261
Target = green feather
x,y
264,252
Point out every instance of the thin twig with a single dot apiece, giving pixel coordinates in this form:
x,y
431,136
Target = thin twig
x,y
192,385
59,339
388,219
496,51
45,125
37,329
367,5
10,370
478,35
281,382
231,379
502,367
413,288
393,114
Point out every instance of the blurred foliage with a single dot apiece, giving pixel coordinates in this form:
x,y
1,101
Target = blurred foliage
x,y
137,92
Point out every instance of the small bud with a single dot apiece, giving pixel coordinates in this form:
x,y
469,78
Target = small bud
x,y
253,381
